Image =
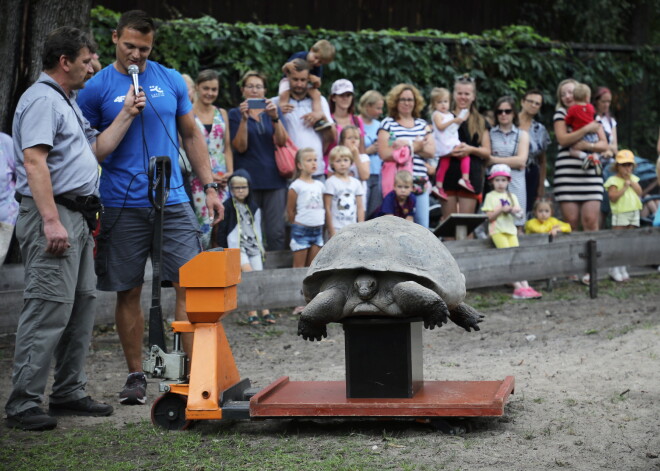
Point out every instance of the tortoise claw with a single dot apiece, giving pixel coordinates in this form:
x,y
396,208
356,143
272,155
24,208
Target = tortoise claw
x,y
310,331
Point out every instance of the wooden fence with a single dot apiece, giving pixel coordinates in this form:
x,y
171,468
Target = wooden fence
x,y
480,262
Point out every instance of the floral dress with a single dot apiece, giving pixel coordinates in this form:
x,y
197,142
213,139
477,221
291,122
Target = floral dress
x,y
215,141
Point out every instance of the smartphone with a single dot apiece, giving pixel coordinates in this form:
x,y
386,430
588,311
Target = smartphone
x,y
256,103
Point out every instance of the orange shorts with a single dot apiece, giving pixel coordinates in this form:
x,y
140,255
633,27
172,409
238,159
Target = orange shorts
x,y
465,194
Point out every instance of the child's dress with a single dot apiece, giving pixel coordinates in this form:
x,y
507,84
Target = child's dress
x,y
504,224
447,139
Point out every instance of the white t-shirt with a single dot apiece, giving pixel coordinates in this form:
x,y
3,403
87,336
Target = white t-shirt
x,y
309,205
344,200
446,139
305,136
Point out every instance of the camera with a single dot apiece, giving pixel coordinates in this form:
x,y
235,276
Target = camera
x,y
256,103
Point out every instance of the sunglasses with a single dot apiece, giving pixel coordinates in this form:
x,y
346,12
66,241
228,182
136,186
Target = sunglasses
x,y
507,111
465,78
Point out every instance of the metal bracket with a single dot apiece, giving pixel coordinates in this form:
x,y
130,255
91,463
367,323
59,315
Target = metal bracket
x,y
168,366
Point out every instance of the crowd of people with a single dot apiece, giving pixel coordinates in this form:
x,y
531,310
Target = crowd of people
x,y
351,164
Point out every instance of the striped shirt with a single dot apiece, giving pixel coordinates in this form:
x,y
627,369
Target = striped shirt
x,y
417,130
572,183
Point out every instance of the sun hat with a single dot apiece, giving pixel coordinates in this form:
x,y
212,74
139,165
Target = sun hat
x,y
341,86
625,157
500,170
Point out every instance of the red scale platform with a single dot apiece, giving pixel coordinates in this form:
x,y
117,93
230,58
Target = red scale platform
x,y
284,398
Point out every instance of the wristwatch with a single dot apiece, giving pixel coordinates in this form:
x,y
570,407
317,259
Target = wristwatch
x,y
211,185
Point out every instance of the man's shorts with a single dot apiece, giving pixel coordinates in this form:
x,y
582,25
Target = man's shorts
x,y
629,218
125,242
303,237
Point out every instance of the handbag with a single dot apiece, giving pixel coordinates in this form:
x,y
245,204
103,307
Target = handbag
x,y
285,158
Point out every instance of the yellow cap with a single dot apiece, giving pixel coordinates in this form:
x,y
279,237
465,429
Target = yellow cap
x,y
625,157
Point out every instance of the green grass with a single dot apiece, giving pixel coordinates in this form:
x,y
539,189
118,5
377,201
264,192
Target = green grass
x,y
141,446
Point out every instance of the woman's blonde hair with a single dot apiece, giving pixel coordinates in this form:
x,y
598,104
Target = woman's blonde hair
x,y
392,99
561,84
476,123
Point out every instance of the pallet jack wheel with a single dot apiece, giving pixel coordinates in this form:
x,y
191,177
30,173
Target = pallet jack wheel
x,y
169,412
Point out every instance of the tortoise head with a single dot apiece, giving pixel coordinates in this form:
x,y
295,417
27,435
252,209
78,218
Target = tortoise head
x,y
366,286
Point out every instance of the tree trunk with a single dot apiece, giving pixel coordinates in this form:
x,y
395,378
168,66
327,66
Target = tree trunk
x,y
27,23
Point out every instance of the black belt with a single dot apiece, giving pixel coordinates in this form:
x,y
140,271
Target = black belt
x,y
88,206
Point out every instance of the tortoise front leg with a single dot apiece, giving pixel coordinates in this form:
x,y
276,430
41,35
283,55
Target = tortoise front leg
x,y
326,307
415,299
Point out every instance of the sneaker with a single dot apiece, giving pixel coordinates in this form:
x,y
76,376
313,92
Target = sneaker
x,y
586,279
587,162
624,273
616,274
33,419
439,193
85,406
533,294
466,184
598,167
135,390
521,293
321,124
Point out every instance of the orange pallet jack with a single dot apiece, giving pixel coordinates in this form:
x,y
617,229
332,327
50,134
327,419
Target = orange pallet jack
x,y
213,390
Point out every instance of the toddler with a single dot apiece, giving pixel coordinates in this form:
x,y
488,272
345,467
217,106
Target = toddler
x,y
543,222
500,206
624,192
241,228
445,132
321,53
578,116
399,202
342,194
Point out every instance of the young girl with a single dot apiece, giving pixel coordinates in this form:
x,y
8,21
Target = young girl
x,y
543,222
500,206
343,194
350,137
304,208
445,132
241,228
624,192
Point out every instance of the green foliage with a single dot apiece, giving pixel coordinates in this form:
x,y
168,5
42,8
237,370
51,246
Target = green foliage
x,y
506,61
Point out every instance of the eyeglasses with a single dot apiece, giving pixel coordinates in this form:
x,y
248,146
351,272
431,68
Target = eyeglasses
x,y
255,87
239,188
627,164
507,111
406,100
533,102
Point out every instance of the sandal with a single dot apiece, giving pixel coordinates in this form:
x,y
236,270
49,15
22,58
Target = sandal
x,y
269,319
253,320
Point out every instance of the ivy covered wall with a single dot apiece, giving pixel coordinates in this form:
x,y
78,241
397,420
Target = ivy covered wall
x,y
506,61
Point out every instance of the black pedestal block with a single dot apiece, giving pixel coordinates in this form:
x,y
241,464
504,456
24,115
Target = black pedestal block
x,y
383,357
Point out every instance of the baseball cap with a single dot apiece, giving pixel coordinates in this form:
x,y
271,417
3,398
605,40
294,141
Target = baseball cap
x,y
499,170
625,157
341,86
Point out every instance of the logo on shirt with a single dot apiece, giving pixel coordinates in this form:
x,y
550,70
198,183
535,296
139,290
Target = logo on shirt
x,y
120,99
156,91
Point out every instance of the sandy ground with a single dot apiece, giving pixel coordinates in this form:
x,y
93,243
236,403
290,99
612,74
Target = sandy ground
x,y
586,372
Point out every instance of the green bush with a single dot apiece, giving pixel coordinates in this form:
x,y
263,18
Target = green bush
x,y
506,61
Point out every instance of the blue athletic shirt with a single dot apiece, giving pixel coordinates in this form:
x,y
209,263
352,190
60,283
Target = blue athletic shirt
x,y
101,101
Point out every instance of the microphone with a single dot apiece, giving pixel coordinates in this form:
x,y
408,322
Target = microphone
x,y
133,71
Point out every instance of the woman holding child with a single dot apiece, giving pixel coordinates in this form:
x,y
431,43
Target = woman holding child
x,y
475,142
252,133
404,127
578,191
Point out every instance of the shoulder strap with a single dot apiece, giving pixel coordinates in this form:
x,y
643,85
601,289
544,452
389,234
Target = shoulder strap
x,y
66,98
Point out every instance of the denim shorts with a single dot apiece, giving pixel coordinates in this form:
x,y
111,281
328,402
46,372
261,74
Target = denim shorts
x,y
303,237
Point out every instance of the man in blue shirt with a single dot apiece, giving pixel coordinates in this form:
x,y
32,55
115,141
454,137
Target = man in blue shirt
x,y
127,222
